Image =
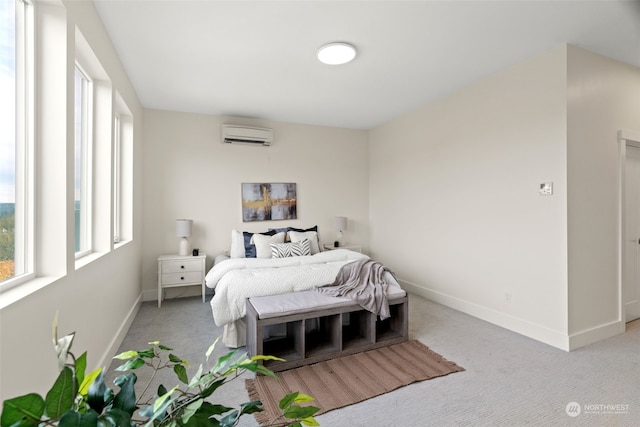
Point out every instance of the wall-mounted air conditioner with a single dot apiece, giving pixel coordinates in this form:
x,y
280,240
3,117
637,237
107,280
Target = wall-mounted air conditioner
x,y
234,134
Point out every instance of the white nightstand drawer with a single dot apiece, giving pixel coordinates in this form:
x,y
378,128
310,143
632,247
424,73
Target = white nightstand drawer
x,y
184,277
181,266
181,270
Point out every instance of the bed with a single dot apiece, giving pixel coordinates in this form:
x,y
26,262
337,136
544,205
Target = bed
x,y
276,267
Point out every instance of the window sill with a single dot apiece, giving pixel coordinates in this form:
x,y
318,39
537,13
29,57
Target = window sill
x,y
11,296
88,259
121,244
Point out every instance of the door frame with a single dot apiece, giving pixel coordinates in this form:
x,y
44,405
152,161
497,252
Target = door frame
x,y
625,138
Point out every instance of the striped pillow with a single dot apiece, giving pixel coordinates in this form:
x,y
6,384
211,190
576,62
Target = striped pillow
x,y
285,250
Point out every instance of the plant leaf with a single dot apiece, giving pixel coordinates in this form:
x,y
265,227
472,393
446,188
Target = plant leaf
x,y
302,398
61,396
126,355
230,420
181,373
162,347
28,409
147,354
115,417
77,419
162,400
223,361
159,407
251,407
211,348
208,391
204,417
196,378
162,390
81,367
130,365
259,369
62,348
87,381
266,357
211,409
175,359
310,421
300,412
191,409
96,397
126,397
288,400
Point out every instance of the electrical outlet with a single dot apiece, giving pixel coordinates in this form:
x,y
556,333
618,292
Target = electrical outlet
x,y
507,297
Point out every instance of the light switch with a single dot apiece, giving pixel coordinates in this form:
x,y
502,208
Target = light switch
x,y
546,188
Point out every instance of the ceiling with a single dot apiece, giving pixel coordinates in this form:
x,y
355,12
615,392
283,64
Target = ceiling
x,y
257,58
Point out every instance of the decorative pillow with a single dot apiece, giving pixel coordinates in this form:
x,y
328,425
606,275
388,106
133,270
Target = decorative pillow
x,y
249,247
263,243
285,250
312,236
281,230
314,228
237,245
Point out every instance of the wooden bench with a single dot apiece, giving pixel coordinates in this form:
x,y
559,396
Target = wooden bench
x,y
317,327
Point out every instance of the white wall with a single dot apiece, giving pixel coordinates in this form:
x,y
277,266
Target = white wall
x,y
603,97
454,206
98,299
189,173
455,210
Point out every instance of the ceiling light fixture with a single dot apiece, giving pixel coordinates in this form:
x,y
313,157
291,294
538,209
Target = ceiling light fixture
x,y
336,53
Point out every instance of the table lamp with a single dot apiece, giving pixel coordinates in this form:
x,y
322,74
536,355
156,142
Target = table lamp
x,y
183,230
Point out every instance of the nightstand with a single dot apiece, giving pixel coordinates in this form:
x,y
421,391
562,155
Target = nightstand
x,y
355,248
177,270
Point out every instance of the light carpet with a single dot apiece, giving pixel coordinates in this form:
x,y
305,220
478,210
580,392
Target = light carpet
x,y
343,381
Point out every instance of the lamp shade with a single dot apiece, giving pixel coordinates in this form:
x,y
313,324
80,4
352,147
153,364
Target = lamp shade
x,y
183,227
340,223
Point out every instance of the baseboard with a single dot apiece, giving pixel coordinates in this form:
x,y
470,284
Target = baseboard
x,y
537,332
114,345
599,333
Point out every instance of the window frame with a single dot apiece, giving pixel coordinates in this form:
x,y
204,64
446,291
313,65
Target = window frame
x,y
85,238
117,178
24,217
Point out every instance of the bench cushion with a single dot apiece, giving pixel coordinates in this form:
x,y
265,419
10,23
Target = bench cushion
x,y
300,302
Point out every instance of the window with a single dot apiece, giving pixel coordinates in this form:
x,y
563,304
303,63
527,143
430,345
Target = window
x,y
16,145
122,171
117,149
83,144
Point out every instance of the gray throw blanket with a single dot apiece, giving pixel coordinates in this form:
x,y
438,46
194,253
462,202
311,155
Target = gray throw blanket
x,y
363,282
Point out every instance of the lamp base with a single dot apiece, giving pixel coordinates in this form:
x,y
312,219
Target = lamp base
x,y
184,247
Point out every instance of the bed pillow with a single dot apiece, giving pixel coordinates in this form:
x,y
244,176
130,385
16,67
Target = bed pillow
x,y
288,229
249,247
237,245
302,230
284,230
312,236
262,243
286,250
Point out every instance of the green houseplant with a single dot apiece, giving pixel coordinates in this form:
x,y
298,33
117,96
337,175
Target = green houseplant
x,y
80,399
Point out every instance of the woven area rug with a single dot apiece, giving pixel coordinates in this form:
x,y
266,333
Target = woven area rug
x,y
350,379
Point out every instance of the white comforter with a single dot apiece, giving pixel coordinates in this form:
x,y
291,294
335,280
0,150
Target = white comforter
x,y
235,280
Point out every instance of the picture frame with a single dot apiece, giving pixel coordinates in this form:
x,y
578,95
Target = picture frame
x,y
269,201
